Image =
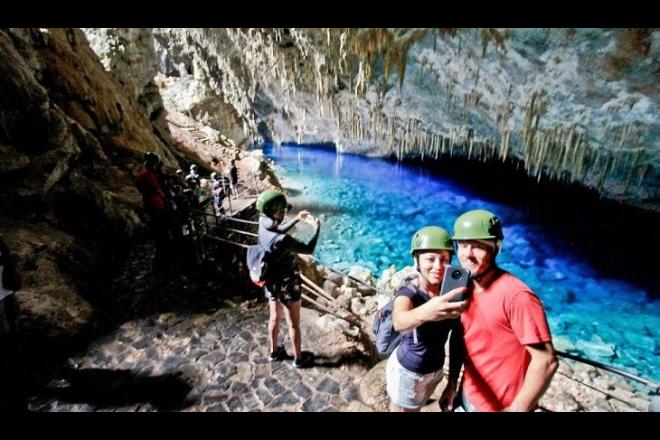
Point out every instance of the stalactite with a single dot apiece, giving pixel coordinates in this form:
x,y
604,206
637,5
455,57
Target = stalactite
x,y
576,150
624,134
465,105
603,172
451,143
471,143
613,164
637,156
578,161
568,146
506,144
422,149
643,172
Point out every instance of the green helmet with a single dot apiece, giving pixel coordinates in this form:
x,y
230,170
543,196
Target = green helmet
x,y
271,201
431,238
478,224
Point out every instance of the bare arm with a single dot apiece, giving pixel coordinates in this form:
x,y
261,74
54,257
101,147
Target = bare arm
x,y
406,318
284,227
537,379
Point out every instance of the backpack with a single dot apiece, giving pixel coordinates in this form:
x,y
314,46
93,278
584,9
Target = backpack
x,y
257,260
387,339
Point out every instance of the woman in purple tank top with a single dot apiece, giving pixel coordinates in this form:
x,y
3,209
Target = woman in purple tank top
x,y
425,319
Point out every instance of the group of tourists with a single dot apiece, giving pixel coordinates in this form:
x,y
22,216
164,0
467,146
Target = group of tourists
x,y
171,201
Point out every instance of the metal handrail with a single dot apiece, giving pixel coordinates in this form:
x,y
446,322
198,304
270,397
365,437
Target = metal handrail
x,y
611,396
654,386
213,237
227,217
251,234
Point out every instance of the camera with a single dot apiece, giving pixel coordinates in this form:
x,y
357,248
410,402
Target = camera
x,y
456,274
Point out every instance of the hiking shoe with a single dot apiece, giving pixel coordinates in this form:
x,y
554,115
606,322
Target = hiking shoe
x,y
278,354
304,360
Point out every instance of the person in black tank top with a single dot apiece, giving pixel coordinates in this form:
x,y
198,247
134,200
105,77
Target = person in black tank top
x,y
282,280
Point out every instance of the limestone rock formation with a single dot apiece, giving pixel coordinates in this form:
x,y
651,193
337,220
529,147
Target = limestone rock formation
x,y
569,104
70,138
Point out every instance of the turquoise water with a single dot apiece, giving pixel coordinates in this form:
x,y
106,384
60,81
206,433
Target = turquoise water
x,y
371,207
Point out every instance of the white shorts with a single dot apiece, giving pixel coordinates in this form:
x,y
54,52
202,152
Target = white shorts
x,y
406,388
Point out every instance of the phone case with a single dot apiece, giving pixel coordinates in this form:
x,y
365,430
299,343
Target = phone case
x,y
455,276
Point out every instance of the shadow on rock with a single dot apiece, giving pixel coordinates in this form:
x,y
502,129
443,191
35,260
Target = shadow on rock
x,y
356,358
111,388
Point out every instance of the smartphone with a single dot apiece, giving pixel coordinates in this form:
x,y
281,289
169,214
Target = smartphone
x,y
455,276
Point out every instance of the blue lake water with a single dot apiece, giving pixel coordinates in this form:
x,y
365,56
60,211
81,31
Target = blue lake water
x,y
370,209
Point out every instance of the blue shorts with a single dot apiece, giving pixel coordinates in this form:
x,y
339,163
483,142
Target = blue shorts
x,y
406,388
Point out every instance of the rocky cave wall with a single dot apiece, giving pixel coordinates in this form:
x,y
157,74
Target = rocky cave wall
x,y
71,138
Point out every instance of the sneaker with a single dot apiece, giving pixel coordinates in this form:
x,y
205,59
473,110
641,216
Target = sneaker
x,y
278,354
304,360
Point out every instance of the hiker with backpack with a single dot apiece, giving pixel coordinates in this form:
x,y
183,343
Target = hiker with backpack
x,y
275,263
425,319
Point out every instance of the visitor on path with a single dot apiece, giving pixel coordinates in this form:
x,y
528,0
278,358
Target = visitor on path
x,y
180,178
425,319
193,191
282,279
194,174
509,359
153,200
233,179
218,193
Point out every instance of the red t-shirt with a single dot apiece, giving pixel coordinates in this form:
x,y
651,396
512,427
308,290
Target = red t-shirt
x,y
497,324
147,184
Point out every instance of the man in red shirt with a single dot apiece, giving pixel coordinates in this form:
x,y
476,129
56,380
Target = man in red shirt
x,y
153,199
509,359
147,183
